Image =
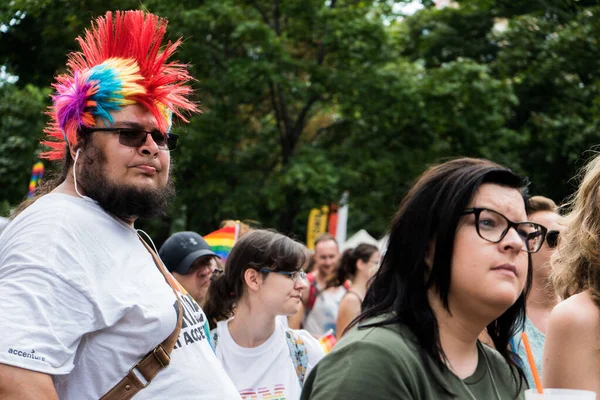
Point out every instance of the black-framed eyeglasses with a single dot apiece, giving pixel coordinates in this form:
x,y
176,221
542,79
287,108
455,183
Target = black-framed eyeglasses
x,y
552,238
493,227
135,137
293,275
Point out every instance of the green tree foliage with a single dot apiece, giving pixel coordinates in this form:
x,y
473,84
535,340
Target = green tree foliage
x,y
305,99
269,76
40,33
21,125
547,57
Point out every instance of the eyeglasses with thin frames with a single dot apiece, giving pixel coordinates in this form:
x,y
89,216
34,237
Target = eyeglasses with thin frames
x,y
493,227
135,137
293,275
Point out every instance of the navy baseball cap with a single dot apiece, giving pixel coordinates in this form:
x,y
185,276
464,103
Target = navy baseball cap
x,y
180,251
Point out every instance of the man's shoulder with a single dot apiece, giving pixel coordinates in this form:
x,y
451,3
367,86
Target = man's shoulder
x,y
54,206
55,213
60,232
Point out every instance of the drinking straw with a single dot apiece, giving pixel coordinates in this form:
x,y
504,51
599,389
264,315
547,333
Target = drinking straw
x,y
534,371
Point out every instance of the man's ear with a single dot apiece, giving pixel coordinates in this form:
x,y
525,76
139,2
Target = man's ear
x,y
253,279
73,147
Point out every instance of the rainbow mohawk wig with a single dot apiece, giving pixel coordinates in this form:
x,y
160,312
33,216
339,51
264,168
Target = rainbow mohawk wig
x,y
121,63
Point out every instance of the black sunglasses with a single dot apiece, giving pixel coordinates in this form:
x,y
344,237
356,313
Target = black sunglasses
x,y
135,137
552,238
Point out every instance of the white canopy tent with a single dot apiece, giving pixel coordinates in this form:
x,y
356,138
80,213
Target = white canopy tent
x,y
362,236
359,237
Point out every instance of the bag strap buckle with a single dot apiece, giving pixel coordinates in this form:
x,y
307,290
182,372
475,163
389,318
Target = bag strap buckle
x,y
161,356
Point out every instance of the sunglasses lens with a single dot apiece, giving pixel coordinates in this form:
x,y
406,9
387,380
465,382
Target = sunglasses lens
x,y
132,137
552,239
172,141
159,139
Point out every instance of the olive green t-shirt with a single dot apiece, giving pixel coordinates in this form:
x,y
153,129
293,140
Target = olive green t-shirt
x,y
384,363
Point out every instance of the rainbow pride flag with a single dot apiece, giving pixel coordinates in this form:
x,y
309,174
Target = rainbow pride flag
x,y
222,240
327,341
36,175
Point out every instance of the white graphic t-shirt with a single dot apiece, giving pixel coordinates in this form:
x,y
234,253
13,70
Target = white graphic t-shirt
x,y
82,300
267,371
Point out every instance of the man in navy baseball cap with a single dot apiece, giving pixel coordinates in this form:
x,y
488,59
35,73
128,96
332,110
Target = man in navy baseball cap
x,y
191,261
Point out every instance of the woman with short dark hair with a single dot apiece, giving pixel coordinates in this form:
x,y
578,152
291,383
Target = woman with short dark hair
x,y
263,279
457,262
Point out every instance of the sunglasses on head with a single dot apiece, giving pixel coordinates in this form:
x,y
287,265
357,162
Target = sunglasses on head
x,y
552,238
136,137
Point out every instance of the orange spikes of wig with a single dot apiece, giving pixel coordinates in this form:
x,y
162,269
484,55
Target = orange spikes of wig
x,y
122,62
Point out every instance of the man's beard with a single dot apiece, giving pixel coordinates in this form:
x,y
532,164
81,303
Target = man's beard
x,y
123,201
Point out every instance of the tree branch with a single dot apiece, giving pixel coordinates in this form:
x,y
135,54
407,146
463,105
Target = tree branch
x,y
320,131
321,51
300,121
283,109
278,116
262,12
281,125
276,16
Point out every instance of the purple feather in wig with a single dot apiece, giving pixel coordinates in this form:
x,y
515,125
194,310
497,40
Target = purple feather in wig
x,y
72,101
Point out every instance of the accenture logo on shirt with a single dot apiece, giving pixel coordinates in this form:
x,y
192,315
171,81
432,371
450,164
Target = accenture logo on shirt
x,y
25,354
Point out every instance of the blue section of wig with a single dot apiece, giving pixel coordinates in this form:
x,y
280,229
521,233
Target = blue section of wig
x,y
108,95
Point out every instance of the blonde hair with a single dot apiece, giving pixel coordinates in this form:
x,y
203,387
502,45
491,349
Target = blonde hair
x,y
540,203
244,228
576,263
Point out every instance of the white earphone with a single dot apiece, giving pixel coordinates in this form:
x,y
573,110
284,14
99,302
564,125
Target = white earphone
x,y
75,172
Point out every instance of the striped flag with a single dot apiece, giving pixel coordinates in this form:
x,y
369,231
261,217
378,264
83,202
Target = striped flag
x,y
36,175
222,240
327,341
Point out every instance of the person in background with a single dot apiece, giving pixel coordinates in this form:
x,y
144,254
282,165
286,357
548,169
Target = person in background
x,y
310,266
191,261
571,357
243,227
88,310
542,297
457,261
263,279
358,265
320,302
326,256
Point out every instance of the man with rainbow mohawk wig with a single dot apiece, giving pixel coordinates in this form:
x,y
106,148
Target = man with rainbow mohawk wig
x,y
87,310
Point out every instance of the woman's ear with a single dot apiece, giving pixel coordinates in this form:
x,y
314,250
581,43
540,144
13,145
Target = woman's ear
x,y
430,254
361,265
253,279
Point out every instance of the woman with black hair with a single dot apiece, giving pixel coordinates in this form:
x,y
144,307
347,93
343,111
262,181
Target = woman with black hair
x,y
457,262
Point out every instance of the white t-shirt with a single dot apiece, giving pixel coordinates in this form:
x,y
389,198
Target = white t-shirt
x,y
323,316
266,371
82,300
